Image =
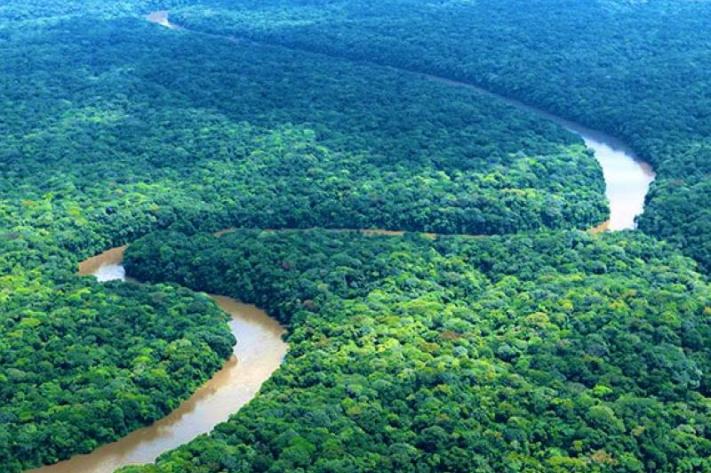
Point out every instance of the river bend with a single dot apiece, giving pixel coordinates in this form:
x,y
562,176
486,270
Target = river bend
x,y
257,354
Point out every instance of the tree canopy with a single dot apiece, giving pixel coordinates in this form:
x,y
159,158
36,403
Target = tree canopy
x,y
539,349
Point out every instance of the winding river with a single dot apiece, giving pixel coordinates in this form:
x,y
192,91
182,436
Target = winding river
x,y
258,352
260,348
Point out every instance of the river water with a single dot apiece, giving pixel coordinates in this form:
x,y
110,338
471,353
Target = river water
x,y
258,353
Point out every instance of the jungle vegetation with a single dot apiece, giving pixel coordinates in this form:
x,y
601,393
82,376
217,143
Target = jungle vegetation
x,y
534,351
109,134
392,150
84,364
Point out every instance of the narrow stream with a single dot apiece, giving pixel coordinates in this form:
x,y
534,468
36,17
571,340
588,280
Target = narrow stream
x,y
257,355
627,178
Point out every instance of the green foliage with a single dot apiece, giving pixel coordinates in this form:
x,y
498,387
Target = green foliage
x,y
103,143
637,70
330,143
549,352
558,352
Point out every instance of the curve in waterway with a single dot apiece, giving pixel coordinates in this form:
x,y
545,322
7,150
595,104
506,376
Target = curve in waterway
x,y
257,354
627,177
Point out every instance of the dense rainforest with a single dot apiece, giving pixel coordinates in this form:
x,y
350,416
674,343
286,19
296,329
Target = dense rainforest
x,y
386,149
555,351
548,352
635,69
114,127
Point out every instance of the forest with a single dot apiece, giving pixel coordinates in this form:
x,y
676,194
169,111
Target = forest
x,y
84,364
385,150
99,149
614,65
457,354
528,345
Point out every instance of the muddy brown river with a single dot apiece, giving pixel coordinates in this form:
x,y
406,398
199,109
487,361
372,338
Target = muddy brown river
x,y
260,347
258,353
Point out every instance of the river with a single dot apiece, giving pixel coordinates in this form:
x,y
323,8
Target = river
x,y
260,348
258,352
